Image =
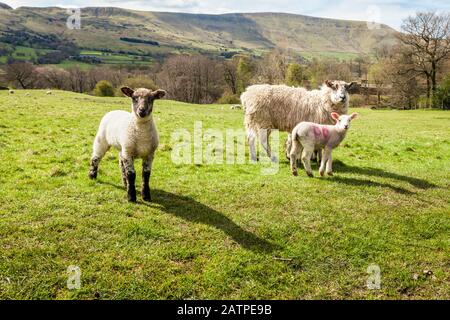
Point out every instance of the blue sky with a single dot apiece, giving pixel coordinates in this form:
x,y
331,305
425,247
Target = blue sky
x,y
383,11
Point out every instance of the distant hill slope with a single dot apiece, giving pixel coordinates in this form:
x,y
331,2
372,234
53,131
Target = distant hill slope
x,y
160,33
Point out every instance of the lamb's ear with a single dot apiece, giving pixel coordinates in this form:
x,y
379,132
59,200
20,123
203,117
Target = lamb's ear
x,y
127,91
158,94
329,84
350,85
335,116
354,115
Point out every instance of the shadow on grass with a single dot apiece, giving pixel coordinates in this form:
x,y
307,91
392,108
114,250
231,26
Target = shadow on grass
x,y
369,183
193,211
339,166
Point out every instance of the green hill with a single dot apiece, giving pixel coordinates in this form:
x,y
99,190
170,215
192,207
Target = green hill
x,y
155,34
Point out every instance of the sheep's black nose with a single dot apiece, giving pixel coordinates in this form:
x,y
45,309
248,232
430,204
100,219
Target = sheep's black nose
x,y
346,127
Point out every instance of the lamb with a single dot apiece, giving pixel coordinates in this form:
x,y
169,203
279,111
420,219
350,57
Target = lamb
x,y
308,136
11,91
48,92
269,107
236,107
134,135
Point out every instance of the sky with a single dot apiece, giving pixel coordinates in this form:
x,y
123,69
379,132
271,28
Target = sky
x,y
383,11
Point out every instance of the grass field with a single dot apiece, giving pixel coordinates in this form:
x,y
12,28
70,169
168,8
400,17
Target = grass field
x,y
220,231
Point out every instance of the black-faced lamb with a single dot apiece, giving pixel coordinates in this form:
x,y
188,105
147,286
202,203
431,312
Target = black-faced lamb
x,y
134,135
309,136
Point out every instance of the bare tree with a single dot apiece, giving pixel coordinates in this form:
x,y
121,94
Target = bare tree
x,y
427,38
230,74
22,74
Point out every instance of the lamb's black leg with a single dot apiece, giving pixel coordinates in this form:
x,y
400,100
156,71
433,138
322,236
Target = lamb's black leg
x,y
131,179
93,168
146,172
131,187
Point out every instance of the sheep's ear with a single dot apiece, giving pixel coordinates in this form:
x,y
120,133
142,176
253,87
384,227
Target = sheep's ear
x,y
127,91
354,115
350,85
329,84
335,116
158,94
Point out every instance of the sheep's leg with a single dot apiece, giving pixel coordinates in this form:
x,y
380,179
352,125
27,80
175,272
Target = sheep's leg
x,y
122,169
131,178
251,142
306,159
288,145
264,135
329,162
146,173
326,161
100,148
295,151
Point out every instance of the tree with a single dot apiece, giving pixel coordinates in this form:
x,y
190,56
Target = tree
x,y
272,68
442,97
377,75
22,74
230,75
245,72
294,75
104,89
427,38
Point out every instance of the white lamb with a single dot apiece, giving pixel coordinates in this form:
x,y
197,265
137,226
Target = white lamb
x,y
134,135
269,107
11,91
309,136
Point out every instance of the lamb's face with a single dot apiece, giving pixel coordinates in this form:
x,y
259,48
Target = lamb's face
x,y
142,100
343,121
339,92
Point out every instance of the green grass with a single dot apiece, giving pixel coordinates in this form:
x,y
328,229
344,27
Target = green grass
x,y
220,231
344,56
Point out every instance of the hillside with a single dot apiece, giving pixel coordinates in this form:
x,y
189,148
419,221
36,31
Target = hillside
x,y
155,34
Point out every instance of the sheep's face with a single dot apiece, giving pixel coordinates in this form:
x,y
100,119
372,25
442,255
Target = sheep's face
x,y
142,106
339,93
343,121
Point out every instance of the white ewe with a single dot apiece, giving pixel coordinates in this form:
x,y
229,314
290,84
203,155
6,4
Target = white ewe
x,y
309,136
134,135
269,107
11,92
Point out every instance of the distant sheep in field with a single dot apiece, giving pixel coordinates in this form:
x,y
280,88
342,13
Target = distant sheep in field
x,y
134,135
11,92
236,107
49,92
309,136
269,107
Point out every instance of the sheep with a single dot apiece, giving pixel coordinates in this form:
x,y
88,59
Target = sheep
x,y
48,92
134,135
269,107
308,136
236,107
11,92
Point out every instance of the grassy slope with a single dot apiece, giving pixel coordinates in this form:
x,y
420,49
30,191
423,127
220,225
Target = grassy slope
x,y
103,27
213,230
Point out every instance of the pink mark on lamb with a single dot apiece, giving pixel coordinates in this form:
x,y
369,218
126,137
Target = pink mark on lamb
x,y
317,131
325,132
